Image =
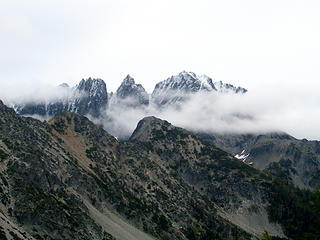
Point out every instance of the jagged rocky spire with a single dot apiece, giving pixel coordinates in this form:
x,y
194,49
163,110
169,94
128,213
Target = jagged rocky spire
x,y
134,93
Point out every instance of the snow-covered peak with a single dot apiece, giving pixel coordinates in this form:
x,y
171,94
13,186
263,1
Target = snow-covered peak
x,y
128,80
206,83
90,84
64,85
93,87
187,74
129,89
228,88
177,88
88,97
184,81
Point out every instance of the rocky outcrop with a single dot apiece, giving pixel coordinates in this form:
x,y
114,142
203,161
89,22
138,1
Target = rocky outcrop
x,y
179,88
229,88
132,94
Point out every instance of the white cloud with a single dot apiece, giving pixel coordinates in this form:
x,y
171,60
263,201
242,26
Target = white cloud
x,y
254,112
260,110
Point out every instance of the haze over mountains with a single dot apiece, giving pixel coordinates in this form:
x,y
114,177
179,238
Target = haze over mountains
x,y
214,110
104,137
164,181
171,99
256,111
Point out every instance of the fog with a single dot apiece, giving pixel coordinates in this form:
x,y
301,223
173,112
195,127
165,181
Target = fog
x,y
33,93
253,112
260,110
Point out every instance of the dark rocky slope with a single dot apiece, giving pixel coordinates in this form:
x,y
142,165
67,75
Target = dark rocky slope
x,y
53,174
293,160
66,179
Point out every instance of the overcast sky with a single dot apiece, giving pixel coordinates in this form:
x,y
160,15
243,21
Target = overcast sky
x,y
272,47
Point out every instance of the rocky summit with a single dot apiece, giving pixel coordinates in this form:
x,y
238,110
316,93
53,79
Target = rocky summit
x,y
88,97
129,94
70,179
178,88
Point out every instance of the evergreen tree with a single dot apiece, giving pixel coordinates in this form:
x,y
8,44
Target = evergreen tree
x,y
266,236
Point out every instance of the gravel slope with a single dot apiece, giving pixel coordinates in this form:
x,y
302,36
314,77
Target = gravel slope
x,y
116,226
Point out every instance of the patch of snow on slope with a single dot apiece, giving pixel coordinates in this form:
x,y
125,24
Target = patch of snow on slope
x,y
242,156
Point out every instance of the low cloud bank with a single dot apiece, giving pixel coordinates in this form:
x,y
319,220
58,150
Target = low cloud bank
x,y
34,94
258,111
253,112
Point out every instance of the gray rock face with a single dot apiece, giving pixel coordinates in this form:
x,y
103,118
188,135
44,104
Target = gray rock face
x,y
228,88
134,93
88,97
32,109
175,88
187,82
178,88
93,97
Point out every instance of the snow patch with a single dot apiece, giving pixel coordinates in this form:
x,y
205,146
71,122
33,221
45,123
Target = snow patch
x,y
243,156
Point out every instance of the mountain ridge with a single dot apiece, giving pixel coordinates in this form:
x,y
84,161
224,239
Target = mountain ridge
x,y
80,163
87,97
300,157
60,179
90,96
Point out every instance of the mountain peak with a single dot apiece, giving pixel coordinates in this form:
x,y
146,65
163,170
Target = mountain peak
x,y
91,83
136,92
152,120
186,74
128,80
175,88
64,85
145,126
5,109
228,88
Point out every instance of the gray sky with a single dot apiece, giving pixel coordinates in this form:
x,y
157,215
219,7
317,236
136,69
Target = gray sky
x,y
270,47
